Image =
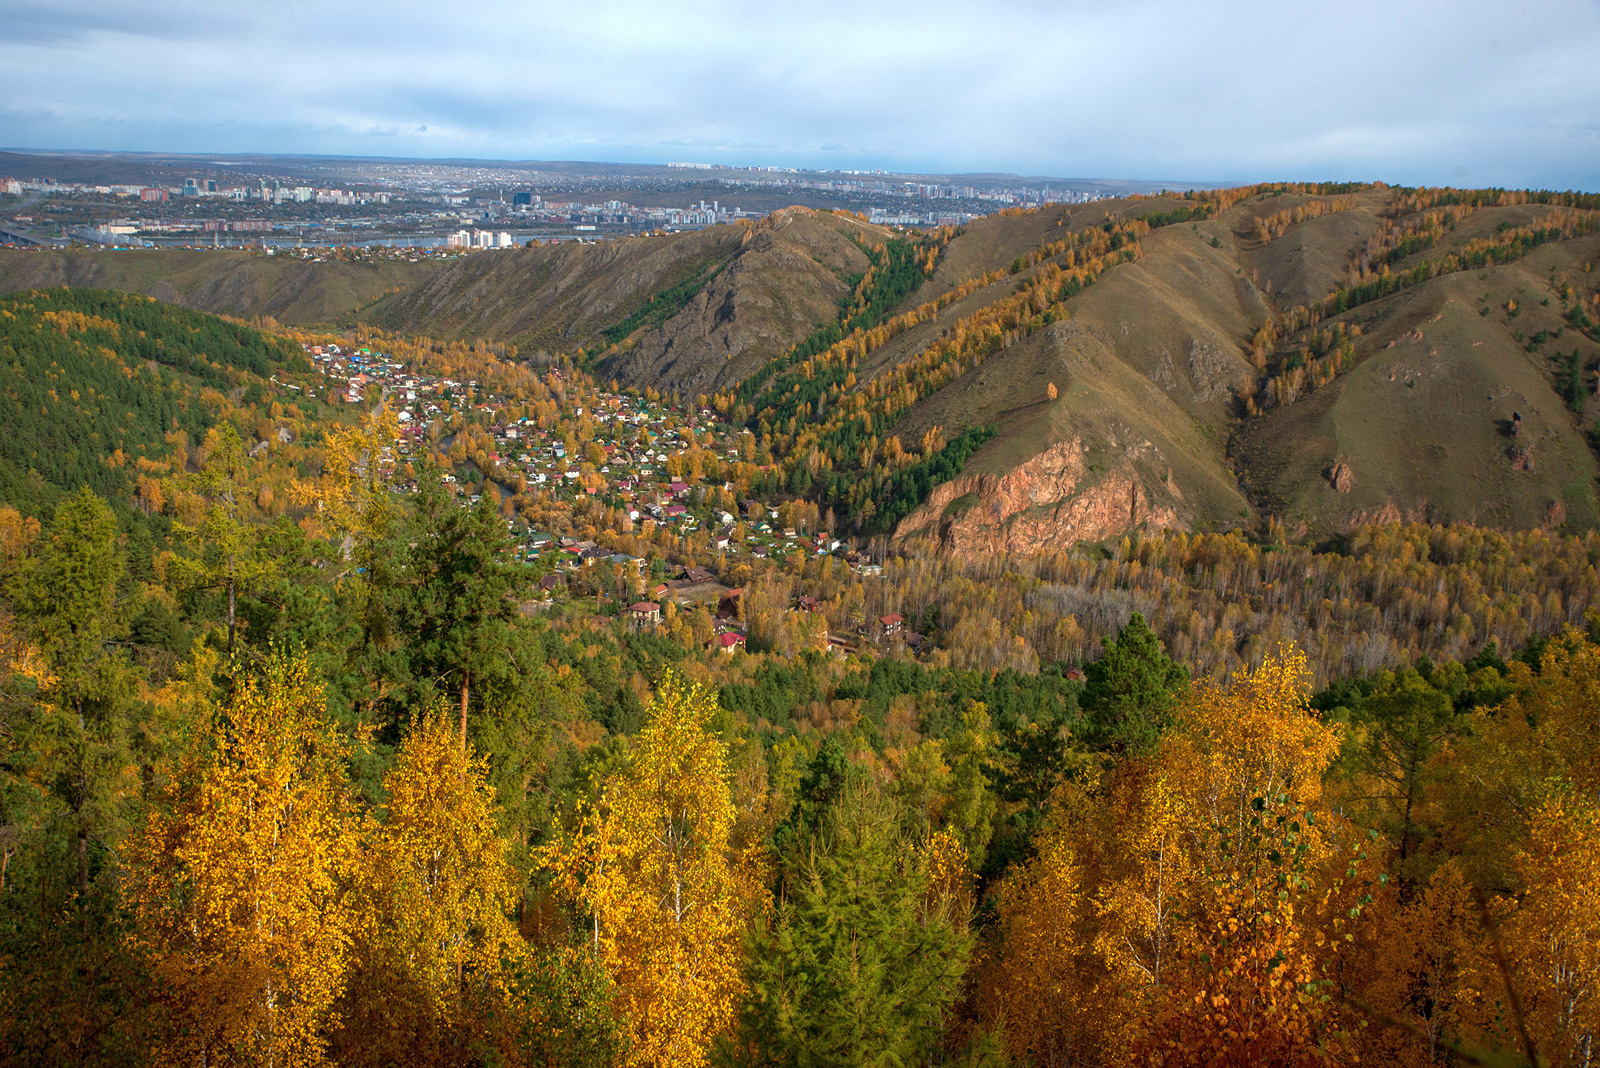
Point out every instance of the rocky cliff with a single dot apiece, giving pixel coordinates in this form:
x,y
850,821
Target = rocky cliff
x,y
1047,503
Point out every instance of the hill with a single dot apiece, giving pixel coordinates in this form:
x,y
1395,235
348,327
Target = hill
x,y
102,386
247,284
1312,355
684,313
1220,374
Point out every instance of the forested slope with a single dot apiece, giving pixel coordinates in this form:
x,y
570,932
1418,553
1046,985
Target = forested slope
x,y
390,818
98,385
1317,354
337,776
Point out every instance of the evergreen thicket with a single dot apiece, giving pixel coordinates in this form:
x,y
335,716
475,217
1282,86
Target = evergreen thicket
x,y
95,380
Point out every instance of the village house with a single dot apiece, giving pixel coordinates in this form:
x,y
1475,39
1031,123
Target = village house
x,y
646,615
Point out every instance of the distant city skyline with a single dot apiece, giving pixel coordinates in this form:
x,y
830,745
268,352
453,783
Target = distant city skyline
x,y
1462,93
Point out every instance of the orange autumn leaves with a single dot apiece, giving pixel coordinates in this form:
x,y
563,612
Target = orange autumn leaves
x,y
1209,904
1180,910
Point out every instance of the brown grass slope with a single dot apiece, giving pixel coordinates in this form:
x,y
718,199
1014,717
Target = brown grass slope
x,y
1145,372
1423,420
1147,428
766,287
227,282
1149,368
784,281
550,296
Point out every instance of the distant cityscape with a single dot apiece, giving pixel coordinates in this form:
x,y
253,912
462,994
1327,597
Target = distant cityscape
x,y
460,207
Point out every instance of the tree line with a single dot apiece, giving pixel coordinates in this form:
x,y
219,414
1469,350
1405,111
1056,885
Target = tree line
x,y
367,811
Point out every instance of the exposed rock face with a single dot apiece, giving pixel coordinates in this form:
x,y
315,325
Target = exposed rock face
x,y
1040,505
1341,478
1391,513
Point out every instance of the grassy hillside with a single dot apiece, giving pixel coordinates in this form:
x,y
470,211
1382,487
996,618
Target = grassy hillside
x,y
1166,379
682,312
1423,419
225,282
1323,355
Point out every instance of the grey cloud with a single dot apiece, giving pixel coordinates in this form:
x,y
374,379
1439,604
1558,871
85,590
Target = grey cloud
x,y
1412,91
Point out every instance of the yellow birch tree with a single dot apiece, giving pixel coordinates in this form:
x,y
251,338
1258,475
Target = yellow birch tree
x,y
653,867
233,882
1550,931
431,930
352,498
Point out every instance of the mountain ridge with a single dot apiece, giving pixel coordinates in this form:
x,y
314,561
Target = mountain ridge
x,y
1314,355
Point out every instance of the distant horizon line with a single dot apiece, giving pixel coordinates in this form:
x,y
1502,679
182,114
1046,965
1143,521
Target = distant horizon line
x,y
859,171
1134,185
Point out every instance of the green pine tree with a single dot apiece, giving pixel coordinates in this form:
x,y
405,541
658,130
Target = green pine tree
x,y
861,961
1130,692
74,745
459,617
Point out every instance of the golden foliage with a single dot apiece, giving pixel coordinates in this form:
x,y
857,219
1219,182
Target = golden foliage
x,y
1185,912
352,497
430,930
233,883
1551,935
653,867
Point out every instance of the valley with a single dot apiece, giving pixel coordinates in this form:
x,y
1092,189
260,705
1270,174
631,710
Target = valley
x,y
1204,374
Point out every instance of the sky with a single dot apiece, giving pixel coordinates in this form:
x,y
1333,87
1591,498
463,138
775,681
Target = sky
x,y
1416,92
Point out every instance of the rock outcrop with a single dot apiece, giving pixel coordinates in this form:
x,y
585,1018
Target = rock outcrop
x,y
1049,502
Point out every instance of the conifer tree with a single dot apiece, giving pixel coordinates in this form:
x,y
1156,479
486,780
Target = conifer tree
x,y
70,763
864,954
458,616
229,551
65,596
1130,692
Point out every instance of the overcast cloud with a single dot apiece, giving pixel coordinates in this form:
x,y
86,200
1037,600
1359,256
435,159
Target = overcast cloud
x,y
1463,92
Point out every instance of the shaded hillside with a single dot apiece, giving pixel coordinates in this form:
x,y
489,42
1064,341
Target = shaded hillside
x,y
683,312
225,282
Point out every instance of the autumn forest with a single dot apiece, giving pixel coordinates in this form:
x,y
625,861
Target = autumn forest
x,y
332,737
